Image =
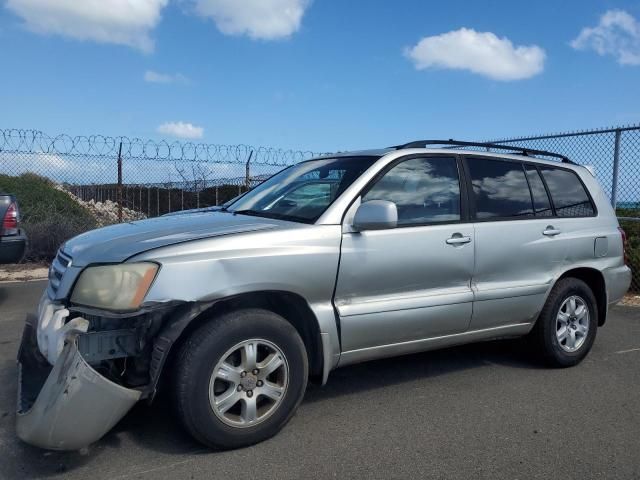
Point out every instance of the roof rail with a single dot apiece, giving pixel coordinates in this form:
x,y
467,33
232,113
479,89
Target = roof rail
x,y
496,146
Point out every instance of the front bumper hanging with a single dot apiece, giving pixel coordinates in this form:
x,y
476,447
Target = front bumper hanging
x,y
67,406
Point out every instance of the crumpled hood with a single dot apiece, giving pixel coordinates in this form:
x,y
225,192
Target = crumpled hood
x,y
116,243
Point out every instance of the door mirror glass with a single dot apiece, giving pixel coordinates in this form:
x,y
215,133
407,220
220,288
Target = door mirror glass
x,y
376,215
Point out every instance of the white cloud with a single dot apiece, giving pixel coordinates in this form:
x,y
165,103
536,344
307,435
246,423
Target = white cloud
x,y
479,52
157,77
181,130
259,19
617,34
123,22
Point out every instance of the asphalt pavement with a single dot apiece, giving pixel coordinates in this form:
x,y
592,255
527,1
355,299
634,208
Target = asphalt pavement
x,y
480,411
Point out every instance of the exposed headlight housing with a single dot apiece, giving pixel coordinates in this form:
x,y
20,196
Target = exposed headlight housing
x,y
114,287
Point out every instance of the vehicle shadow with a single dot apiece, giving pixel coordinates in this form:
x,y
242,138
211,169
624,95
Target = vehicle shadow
x,y
384,373
155,427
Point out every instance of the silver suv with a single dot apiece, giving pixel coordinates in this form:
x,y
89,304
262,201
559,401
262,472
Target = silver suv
x,y
333,261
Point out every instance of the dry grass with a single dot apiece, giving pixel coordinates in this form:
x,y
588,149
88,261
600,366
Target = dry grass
x,y
631,300
23,272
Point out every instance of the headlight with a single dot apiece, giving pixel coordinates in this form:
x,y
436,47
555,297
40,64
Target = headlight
x,y
114,287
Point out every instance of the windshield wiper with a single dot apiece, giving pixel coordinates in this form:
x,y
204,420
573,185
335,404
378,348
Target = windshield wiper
x,y
253,213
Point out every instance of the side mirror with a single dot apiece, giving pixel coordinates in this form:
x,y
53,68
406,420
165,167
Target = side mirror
x,y
376,215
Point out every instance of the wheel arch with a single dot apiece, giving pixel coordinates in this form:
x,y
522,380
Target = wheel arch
x,y
291,306
596,282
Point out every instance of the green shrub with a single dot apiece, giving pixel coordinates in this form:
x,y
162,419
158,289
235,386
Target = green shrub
x,y
632,229
49,216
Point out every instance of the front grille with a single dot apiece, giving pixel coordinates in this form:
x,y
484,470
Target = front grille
x,y
56,272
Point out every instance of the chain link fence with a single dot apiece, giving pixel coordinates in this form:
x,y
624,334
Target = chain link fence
x,y
148,177
121,178
67,185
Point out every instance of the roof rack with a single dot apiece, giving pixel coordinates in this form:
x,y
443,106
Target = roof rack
x,y
457,143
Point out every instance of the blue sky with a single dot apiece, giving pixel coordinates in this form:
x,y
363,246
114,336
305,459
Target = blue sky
x,y
324,75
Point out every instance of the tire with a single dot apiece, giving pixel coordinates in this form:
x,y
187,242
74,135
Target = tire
x,y
550,341
201,398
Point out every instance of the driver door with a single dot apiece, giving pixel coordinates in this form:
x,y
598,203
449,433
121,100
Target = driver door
x,y
399,286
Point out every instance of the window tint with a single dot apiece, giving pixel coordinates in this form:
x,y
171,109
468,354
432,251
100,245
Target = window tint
x,y
541,202
500,189
425,190
568,194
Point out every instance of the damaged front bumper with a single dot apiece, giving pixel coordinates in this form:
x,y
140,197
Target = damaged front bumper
x,y
67,406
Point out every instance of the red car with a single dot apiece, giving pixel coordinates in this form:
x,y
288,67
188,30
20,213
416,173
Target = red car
x,y
13,240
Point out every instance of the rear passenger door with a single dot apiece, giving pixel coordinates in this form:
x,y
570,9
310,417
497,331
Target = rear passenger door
x,y
574,235
516,258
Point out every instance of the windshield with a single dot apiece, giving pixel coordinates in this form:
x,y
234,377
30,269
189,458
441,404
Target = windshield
x,y
303,192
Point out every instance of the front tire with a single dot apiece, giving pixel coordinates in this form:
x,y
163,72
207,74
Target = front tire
x,y
240,378
567,326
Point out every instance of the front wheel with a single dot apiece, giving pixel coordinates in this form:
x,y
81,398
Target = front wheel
x,y
567,326
240,378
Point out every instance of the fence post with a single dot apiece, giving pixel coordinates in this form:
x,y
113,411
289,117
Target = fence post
x,y
616,169
120,183
247,173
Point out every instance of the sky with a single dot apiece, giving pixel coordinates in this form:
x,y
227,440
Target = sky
x,y
320,75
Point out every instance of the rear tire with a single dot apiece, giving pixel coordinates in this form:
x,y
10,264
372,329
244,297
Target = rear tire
x,y
567,326
240,378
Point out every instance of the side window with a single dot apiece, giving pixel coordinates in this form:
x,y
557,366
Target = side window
x,y
500,189
568,194
425,190
541,202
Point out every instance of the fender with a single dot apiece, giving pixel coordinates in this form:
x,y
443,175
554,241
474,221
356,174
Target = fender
x,y
188,316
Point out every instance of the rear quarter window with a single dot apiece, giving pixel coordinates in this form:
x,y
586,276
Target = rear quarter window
x,y
569,196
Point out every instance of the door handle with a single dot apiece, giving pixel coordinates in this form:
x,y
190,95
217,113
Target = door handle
x,y
551,231
458,239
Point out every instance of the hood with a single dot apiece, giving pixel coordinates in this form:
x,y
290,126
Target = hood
x,y
116,243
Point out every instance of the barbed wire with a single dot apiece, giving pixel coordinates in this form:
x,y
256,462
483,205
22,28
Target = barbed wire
x,y
35,141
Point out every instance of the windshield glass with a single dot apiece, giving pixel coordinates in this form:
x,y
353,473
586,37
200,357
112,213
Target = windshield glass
x,y
303,192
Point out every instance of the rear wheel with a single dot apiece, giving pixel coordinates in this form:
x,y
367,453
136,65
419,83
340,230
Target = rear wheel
x,y
567,326
240,378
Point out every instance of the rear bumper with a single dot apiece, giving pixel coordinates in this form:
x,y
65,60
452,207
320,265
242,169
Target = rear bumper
x,y
12,248
67,406
618,281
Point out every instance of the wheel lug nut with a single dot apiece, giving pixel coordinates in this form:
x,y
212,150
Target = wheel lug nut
x,y
249,393
239,388
259,383
243,374
255,371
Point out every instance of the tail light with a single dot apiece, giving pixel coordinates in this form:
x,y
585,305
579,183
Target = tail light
x,y
10,221
624,246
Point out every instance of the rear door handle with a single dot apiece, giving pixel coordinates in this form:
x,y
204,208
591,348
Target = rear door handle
x,y
551,231
458,239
